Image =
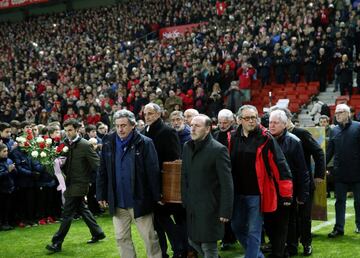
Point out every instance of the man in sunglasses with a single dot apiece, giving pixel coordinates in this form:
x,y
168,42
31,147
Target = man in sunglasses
x,y
261,176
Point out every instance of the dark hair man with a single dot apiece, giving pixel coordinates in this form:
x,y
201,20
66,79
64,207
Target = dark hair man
x,y
80,162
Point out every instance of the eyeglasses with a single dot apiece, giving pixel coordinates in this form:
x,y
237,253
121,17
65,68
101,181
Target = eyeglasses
x,y
248,118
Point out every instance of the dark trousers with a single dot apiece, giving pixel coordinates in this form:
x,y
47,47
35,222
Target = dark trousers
x,y
304,221
6,201
344,87
25,201
175,229
341,190
323,83
229,237
44,202
293,230
91,200
276,224
72,206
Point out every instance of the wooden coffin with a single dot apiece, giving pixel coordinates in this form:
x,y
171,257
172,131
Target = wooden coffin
x,y
171,181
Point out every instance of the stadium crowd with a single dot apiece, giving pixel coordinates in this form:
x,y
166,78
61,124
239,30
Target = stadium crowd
x,y
89,64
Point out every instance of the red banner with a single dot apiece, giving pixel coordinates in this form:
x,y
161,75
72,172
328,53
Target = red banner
x,y
5,4
178,31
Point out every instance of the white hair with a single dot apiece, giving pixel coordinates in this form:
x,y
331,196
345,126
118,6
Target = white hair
x,y
192,111
226,113
280,114
342,107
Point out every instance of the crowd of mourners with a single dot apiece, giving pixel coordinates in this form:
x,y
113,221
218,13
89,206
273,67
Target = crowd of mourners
x,y
89,64
86,64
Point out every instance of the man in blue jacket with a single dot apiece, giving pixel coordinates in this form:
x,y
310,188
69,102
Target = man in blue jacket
x,y
128,181
344,145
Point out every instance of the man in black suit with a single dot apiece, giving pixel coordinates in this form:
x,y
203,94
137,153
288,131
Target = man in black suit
x,y
167,145
311,149
81,161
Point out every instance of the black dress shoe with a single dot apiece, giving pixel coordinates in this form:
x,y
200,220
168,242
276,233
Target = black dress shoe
x,y
335,233
54,247
96,239
307,250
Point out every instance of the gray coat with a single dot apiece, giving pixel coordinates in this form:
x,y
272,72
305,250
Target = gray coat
x,y
206,188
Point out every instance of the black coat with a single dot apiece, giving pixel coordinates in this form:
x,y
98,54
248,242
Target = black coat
x,y
166,141
145,173
311,149
294,154
344,145
206,189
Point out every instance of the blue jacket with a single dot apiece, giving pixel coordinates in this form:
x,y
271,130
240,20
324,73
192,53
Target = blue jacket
x,y
344,145
7,182
145,173
26,168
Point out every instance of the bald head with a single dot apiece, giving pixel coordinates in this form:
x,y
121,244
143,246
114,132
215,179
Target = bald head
x,y
189,114
200,127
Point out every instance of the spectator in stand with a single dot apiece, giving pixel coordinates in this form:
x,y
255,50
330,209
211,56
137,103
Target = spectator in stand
x,y
315,111
93,117
279,67
234,97
322,66
264,65
70,113
245,74
215,101
344,72
344,147
172,101
357,71
293,65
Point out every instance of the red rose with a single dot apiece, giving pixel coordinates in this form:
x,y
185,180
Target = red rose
x,y
57,139
60,148
29,137
42,145
26,144
45,137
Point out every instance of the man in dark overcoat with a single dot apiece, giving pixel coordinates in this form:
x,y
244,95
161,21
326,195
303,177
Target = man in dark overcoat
x,y
206,187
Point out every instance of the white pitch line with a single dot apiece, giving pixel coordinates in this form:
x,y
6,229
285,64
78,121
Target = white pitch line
x,y
328,223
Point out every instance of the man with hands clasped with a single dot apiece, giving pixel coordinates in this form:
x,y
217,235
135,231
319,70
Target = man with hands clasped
x,y
206,188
